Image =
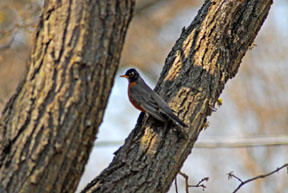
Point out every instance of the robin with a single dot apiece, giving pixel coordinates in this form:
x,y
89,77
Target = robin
x,y
147,100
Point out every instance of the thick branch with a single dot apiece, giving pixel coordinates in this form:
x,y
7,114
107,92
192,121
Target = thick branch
x,y
48,127
206,55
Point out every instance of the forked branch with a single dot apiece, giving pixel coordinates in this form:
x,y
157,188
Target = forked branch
x,y
242,183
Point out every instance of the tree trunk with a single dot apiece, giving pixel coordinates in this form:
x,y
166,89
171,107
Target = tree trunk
x,y
206,55
48,127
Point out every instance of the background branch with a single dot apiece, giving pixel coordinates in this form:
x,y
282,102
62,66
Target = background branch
x,y
223,142
187,185
242,183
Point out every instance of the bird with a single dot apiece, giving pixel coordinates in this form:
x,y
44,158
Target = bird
x,y
147,100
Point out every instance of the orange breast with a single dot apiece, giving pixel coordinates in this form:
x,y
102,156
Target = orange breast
x,y
131,100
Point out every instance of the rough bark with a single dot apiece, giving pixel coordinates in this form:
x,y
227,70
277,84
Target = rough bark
x,y
207,54
48,127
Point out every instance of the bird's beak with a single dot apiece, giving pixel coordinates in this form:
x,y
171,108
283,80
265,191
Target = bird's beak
x,y
124,76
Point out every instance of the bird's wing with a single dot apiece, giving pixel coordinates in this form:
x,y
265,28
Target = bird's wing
x,y
145,99
165,109
153,104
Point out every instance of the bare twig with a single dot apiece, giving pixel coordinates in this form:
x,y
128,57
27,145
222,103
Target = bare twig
x,y
199,184
242,143
176,186
186,181
231,175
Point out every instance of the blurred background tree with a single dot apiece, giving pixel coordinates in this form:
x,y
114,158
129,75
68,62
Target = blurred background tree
x,y
255,102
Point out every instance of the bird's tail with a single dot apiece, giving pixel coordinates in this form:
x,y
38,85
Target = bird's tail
x,y
175,119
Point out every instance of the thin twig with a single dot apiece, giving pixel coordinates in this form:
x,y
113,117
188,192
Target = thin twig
x,y
176,186
199,184
231,175
186,181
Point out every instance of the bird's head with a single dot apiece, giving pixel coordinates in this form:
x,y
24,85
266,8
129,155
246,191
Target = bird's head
x,y
132,75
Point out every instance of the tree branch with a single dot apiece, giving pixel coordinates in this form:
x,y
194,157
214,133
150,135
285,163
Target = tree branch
x,y
222,142
199,184
242,183
207,54
48,127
